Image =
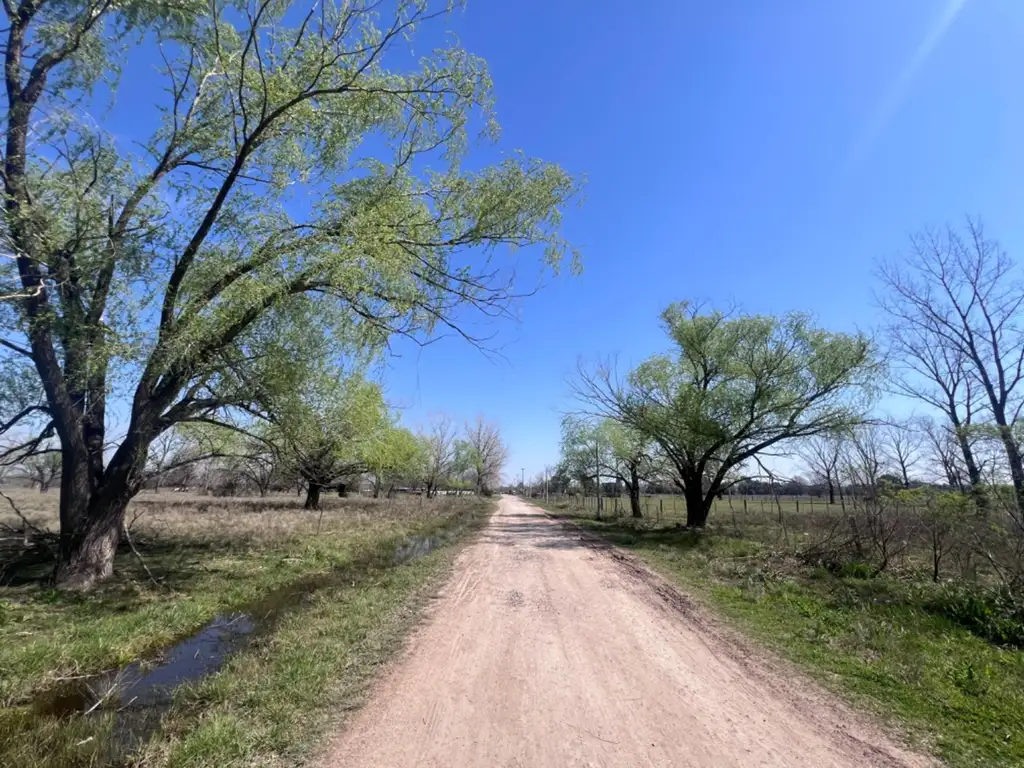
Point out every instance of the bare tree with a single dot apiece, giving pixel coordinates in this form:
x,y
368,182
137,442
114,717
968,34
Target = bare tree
x,y
260,468
43,468
943,450
902,443
955,304
821,454
863,461
488,454
440,442
163,452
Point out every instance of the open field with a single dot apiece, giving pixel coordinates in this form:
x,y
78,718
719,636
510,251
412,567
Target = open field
x,y
671,508
322,602
888,642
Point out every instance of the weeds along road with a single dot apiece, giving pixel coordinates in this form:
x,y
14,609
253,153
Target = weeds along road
x,y
549,649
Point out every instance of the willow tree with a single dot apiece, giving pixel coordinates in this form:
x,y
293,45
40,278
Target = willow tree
x,y
733,388
325,432
394,454
146,268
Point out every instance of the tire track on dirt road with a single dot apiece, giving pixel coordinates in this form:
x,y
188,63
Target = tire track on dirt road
x,y
546,649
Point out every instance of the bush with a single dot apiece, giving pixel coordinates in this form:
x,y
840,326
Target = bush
x,y
996,615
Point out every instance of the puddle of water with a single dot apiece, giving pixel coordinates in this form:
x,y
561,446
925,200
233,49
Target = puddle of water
x,y
416,547
140,693
139,686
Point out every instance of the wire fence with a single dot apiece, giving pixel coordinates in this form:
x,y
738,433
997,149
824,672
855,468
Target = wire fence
x,y
668,507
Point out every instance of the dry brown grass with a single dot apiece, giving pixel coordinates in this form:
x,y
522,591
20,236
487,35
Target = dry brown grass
x,y
194,515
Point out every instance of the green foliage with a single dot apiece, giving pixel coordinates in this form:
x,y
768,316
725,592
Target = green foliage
x,y
393,453
735,386
743,383
326,429
995,614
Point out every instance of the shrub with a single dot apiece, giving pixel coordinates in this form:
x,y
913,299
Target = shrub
x,y
997,614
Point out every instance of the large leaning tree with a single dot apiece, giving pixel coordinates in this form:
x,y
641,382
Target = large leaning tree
x,y
733,388
302,161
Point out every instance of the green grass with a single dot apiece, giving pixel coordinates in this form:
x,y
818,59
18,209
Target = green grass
x,y
873,640
330,607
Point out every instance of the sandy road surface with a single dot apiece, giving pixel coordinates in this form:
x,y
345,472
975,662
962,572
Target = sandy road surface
x,y
546,649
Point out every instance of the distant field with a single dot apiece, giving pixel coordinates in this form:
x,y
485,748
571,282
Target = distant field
x,y
671,508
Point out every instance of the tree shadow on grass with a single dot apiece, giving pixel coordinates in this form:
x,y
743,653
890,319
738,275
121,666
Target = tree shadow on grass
x,y
640,533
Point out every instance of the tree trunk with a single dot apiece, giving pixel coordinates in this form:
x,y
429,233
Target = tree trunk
x,y
634,494
376,486
1013,458
697,507
831,492
91,554
312,496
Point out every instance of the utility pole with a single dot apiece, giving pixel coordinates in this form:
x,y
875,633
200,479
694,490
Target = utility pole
x,y
522,481
597,475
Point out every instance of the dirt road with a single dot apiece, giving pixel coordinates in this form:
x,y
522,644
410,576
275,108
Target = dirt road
x,y
546,649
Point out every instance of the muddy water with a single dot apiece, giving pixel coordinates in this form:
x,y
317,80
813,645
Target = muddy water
x,y
140,693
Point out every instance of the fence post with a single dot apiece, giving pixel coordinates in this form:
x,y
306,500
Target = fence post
x,y
798,506
661,506
744,506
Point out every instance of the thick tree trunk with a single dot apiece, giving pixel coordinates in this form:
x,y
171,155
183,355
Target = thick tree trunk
x,y
697,507
634,494
312,496
1013,458
91,556
973,472
831,492
76,490
87,552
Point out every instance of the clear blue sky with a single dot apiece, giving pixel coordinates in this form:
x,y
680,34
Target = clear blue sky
x,y
759,152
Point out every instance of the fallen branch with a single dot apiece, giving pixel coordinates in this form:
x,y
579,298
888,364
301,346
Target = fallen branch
x,y
128,537
41,532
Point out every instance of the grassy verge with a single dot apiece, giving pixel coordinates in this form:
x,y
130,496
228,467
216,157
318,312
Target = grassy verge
x,y
329,607
874,640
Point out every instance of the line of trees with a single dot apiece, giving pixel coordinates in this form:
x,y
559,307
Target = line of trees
x,y
347,443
